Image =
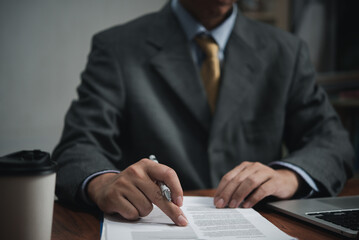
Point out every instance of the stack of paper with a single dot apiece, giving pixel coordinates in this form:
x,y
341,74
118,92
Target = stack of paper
x,y
205,222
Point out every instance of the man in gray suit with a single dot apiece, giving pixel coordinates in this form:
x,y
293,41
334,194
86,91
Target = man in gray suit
x,y
141,93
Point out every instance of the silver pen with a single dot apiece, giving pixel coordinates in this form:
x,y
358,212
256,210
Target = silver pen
x,y
166,192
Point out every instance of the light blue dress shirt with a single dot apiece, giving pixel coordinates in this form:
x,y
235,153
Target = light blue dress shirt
x,y
192,28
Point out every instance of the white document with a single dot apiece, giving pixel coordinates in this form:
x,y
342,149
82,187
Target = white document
x,y
205,222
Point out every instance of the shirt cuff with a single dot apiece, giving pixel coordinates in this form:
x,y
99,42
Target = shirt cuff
x,y
305,176
83,189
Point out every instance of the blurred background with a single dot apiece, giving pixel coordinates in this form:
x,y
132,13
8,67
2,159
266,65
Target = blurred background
x,y
43,49
44,46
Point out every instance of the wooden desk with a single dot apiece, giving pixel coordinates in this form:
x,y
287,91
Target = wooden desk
x,y
69,224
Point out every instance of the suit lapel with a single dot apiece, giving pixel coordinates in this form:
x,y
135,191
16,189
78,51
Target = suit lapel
x,y
241,68
174,63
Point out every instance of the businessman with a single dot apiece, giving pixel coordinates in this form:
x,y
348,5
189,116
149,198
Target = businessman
x,y
214,96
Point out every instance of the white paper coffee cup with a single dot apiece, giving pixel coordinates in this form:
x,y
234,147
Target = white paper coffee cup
x,y
27,187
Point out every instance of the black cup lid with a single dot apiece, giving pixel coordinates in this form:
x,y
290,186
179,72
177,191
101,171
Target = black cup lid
x,y
33,162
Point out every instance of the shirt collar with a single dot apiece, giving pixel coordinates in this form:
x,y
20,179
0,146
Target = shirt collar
x,y
192,27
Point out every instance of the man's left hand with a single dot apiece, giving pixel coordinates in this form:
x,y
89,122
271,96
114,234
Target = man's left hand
x,y
250,182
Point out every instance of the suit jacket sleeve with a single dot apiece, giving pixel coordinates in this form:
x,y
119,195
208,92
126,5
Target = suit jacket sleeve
x,y
90,137
314,136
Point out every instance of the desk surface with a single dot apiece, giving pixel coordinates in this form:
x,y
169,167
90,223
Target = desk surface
x,y
70,224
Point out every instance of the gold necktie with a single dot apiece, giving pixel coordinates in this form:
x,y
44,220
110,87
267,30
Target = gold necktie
x,y
210,69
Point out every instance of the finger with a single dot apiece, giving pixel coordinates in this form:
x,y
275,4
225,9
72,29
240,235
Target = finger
x,y
126,209
229,176
139,200
226,179
228,191
251,182
128,201
154,194
168,176
266,189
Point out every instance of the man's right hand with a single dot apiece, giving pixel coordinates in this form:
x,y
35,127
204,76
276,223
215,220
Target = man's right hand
x,y
132,191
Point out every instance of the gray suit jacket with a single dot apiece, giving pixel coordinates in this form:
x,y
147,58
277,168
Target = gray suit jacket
x,y
141,94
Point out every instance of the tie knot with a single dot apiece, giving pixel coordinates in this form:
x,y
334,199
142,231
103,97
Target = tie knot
x,y
208,46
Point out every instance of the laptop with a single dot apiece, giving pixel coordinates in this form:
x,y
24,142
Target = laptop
x,y
337,214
